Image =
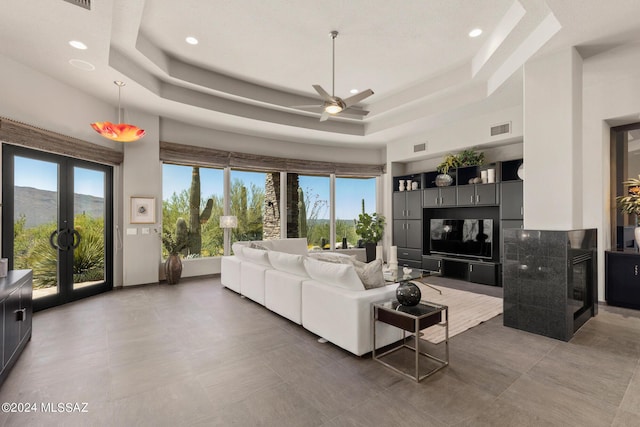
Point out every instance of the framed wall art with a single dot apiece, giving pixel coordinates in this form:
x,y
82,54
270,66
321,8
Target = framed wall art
x,y
143,210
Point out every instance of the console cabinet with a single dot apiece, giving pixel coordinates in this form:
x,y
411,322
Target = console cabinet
x,y
622,279
16,296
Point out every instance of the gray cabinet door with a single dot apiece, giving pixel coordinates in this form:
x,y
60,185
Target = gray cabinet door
x,y
431,197
448,196
486,194
414,205
466,195
399,199
399,233
413,229
511,200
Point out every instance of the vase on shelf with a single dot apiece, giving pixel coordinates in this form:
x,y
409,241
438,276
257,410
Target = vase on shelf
x,y
443,180
414,185
401,185
520,171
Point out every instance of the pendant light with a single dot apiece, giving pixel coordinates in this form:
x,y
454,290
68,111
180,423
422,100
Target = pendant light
x,y
120,132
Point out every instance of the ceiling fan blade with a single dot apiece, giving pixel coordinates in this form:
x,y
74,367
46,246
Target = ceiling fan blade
x,y
352,100
324,116
323,93
354,113
304,107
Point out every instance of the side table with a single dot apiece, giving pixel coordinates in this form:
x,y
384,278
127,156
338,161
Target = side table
x,y
411,319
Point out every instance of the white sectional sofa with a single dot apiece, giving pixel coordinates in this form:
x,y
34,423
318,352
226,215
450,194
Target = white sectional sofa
x,y
328,299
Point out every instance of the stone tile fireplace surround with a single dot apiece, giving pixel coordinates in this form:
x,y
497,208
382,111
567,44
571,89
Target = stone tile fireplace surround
x,y
550,280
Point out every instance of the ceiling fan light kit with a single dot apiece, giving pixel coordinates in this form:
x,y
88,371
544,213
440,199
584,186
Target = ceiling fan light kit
x,y
333,104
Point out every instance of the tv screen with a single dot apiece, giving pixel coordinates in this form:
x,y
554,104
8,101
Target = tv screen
x,y
469,237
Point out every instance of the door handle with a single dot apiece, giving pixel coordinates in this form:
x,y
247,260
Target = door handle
x,y
75,243
54,239
21,315
478,198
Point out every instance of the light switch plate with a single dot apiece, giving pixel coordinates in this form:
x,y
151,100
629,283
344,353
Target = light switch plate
x,y
145,230
132,231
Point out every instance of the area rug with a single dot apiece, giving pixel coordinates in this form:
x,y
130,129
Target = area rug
x,y
466,310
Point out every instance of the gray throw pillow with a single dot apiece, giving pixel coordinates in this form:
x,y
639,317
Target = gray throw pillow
x,y
256,245
370,273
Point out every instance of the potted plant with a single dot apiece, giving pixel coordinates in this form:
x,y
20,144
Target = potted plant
x,y
370,228
630,203
452,161
173,265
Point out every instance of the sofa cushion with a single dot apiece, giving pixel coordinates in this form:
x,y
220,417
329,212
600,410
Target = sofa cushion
x,y
370,273
289,263
258,256
340,275
237,248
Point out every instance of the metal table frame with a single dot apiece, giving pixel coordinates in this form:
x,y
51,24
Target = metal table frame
x,y
388,307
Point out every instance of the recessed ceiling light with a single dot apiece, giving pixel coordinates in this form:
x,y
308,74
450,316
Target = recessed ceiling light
x,y
78,44
191,40
83,65
354,91
475,32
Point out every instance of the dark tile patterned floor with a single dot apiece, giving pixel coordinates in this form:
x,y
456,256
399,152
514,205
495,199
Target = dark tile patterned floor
x,y
198,354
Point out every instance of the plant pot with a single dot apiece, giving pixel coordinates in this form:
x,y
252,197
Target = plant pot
x,y
173,269
370,250
636,233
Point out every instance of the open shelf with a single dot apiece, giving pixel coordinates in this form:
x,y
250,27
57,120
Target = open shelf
x,y
509,170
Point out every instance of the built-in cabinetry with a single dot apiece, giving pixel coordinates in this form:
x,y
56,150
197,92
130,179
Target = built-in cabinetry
x,y
17,308
498,197
622,281
407,227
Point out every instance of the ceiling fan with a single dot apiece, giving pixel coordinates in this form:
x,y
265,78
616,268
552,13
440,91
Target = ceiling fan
x,y
332,104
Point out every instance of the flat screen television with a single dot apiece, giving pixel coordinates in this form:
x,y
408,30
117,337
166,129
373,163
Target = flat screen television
x,y
462,237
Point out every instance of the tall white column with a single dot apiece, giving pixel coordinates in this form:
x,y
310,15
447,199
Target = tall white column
x,y
553,142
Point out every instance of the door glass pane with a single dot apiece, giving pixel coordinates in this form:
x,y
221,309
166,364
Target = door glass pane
x,y
36,222
88,221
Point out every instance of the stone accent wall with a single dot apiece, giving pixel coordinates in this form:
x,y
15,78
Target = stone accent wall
x,y
272,208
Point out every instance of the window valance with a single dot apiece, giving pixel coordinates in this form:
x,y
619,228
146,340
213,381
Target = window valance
x,y
16,133
171,152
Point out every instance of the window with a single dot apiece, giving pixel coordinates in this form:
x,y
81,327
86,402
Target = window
x,y
192,203
255,200
353,196
312,211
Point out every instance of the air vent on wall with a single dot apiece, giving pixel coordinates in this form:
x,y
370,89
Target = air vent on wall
x,y
82,3
419,147
501,129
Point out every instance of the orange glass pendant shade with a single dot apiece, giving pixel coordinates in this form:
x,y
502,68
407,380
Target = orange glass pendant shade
x,y
121,132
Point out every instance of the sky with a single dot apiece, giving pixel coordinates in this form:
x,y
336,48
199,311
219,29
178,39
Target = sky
x,y
44,176
349,192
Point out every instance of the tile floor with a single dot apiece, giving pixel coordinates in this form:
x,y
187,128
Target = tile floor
x,y
198,354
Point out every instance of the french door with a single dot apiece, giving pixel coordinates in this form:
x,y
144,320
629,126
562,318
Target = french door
x,y
57,220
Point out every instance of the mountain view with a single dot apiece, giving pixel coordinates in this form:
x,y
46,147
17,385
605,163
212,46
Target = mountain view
x,y
40,206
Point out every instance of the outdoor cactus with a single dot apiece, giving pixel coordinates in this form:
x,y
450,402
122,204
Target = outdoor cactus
x,y
302,214
182,235
193,233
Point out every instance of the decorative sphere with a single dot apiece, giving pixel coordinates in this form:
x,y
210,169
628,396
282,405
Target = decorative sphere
x,y
408,293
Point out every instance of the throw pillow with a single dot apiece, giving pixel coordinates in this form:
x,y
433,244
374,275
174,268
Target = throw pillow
x,y
370,273
258,245
257,256
288,262
332,257
339,275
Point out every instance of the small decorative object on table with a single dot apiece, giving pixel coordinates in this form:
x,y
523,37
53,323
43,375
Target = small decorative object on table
x,y
408,293
630,203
